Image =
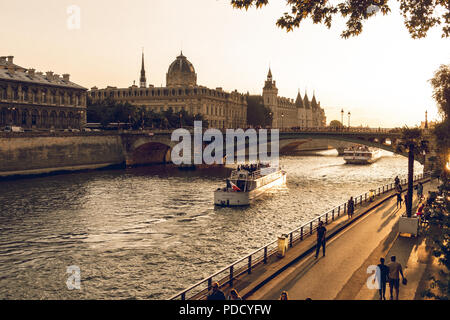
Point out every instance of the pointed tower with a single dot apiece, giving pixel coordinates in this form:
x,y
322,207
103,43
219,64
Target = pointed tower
x,y
308,111
301,112
270,98
143,79
314,102
299,100
306,102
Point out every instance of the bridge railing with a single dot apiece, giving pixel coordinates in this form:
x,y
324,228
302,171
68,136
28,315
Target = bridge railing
x,y
227,275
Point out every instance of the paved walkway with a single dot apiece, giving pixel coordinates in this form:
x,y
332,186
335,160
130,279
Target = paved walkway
x,y
342,274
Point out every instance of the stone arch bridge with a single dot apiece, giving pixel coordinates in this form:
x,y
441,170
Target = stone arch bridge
x,y
155,147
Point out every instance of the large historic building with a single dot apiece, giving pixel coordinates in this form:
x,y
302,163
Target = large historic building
x,y
221,109
33,100
287,113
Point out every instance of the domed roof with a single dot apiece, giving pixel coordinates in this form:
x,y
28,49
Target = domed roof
x,y
181,64
181,72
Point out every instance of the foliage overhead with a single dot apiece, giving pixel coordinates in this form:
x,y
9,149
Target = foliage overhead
x,y
441,89
419,15
414,137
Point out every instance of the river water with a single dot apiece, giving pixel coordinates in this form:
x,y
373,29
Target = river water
x,y
147,233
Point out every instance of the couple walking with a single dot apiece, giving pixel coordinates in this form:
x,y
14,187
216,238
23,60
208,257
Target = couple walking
x,y
390,274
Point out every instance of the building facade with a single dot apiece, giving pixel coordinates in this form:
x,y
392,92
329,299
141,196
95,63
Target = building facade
x,y
287,113
32,100
219,108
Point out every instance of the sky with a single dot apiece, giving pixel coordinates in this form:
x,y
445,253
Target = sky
x,y
381,76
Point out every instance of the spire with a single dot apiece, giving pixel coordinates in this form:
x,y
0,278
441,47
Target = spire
x,y
143,79
299,100
314,102
269,75
306,101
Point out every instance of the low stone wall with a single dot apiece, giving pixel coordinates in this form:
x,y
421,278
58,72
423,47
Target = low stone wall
x,y
36,153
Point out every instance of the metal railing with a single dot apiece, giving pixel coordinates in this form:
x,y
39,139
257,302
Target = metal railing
x,y
227,275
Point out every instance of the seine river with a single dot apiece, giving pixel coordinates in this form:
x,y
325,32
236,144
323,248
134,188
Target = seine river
x,y
147,233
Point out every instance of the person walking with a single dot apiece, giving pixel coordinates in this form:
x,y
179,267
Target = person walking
x,y
399,200
350,208
399,188
234,295
395,270
383,277
216,293
420,191
284,296
397,181
321,239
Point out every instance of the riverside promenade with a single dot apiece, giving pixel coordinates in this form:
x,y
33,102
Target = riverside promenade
x,y
342,273
351,243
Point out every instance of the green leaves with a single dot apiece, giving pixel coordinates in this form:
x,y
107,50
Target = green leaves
x,y
419,15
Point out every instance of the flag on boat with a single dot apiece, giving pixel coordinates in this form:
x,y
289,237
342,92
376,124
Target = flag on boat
x,y
235,187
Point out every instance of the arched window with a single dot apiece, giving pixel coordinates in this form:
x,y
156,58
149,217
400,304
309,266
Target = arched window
x,y
44,123
53,117
62,119
34,117
24,117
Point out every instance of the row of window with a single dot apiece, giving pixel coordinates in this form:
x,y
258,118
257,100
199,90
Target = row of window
x,y
44,119
157,93
34,97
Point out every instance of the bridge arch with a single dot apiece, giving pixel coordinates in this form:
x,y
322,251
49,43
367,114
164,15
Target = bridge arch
x,y
143,149
288,140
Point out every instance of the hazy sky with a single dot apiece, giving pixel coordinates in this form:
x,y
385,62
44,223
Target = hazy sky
x,y
380,76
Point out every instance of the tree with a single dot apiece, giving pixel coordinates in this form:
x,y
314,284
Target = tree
x,y
258,115
441,94
336,124
439,232
441,90
412,142
419,16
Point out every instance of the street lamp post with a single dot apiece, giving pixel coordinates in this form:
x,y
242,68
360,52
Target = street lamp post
x,y
80,118
11,112
282,117
181,116
349,119
271,120
342,117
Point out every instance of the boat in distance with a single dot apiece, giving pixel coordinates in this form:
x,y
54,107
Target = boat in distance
x,y
361,155
248,183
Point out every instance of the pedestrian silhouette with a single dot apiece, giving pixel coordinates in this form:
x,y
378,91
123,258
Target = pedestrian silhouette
x,y
350,207
321,239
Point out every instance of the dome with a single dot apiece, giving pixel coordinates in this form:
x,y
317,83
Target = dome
x,y
181,73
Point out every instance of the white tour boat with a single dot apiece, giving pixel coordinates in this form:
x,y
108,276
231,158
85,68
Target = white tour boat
x,y
246,185
361,155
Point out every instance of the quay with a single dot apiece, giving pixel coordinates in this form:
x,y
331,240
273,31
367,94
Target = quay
x,y
352,246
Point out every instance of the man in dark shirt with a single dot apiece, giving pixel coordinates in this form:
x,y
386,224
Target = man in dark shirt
x,y
216,293
321,239
382,277
350,207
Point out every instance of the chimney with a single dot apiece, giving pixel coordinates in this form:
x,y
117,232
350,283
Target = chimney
x,y
11,69
31,72
10,59
3,60
49,75
66,77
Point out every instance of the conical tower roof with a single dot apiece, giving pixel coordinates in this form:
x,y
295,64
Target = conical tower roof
x,y
306,101
299,101
314,102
